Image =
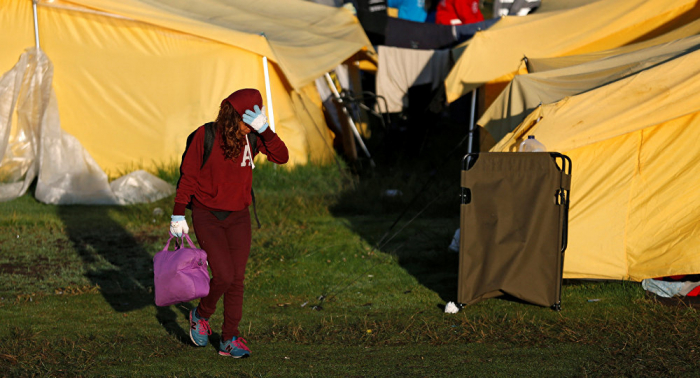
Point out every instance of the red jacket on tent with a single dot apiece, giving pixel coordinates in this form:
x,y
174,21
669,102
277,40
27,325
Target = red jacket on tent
x,y
457,12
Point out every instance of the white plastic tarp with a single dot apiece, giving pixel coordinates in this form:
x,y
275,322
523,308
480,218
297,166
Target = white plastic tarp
x,y
34,145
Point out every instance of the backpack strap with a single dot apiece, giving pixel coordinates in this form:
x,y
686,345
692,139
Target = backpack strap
x,y
209,136
255,210
253,140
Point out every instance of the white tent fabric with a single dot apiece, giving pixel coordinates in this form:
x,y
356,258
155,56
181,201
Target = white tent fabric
x,y
36,146
400,68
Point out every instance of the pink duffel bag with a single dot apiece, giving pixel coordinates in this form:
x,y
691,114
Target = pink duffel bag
x,y
180,275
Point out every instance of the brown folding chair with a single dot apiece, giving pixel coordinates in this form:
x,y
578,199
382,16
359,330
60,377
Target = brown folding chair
x,y
514,217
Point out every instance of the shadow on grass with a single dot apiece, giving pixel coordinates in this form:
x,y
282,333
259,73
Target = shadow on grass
x,y
118,263
408,206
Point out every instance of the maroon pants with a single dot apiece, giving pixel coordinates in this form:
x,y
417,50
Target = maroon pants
x,y
227,243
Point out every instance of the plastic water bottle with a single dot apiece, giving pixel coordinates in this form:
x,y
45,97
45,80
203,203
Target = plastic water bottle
x,y
531,145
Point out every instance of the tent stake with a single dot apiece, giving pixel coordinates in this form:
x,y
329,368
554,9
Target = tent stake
x,y
36,25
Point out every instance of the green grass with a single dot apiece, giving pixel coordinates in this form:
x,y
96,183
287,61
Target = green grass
x,y
76,294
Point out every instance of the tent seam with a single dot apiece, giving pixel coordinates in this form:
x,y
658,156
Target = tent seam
x,y
638,176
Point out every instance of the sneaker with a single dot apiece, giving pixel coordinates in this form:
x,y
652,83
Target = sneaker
x,y
235,348
199,329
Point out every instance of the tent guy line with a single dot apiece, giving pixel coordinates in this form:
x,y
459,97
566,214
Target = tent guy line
x,y
331,293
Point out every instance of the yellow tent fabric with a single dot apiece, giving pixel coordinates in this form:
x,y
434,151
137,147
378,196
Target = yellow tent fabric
x,y
536,64
601,25
134,77
295,33
526,92
636,166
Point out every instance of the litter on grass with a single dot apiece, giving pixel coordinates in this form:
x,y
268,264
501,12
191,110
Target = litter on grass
x,y
451,308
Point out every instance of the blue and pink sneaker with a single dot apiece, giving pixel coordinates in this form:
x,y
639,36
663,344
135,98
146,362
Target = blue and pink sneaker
x,y
235,347
199,329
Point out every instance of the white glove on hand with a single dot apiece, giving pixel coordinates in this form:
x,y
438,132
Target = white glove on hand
x,y
256,118
178,225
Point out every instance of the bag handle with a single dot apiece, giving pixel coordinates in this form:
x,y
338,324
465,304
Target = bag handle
x,y
183,238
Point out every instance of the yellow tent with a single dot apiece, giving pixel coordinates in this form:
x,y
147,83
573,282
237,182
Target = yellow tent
x,y
634,205
537,64
526,92
134,77
494,55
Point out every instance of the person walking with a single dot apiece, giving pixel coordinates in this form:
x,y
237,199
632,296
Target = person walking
x,y
219,193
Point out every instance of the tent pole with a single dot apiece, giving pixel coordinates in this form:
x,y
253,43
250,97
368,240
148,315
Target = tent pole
x,y
472,129
352,123
36,25
270,112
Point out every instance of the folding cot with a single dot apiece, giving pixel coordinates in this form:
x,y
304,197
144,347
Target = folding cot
x,y
514,217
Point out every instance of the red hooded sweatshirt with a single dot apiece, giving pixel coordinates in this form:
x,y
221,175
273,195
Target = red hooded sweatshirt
x,y
224,185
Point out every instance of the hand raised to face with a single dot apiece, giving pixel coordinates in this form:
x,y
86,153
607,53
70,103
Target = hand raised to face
x,y
256,118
